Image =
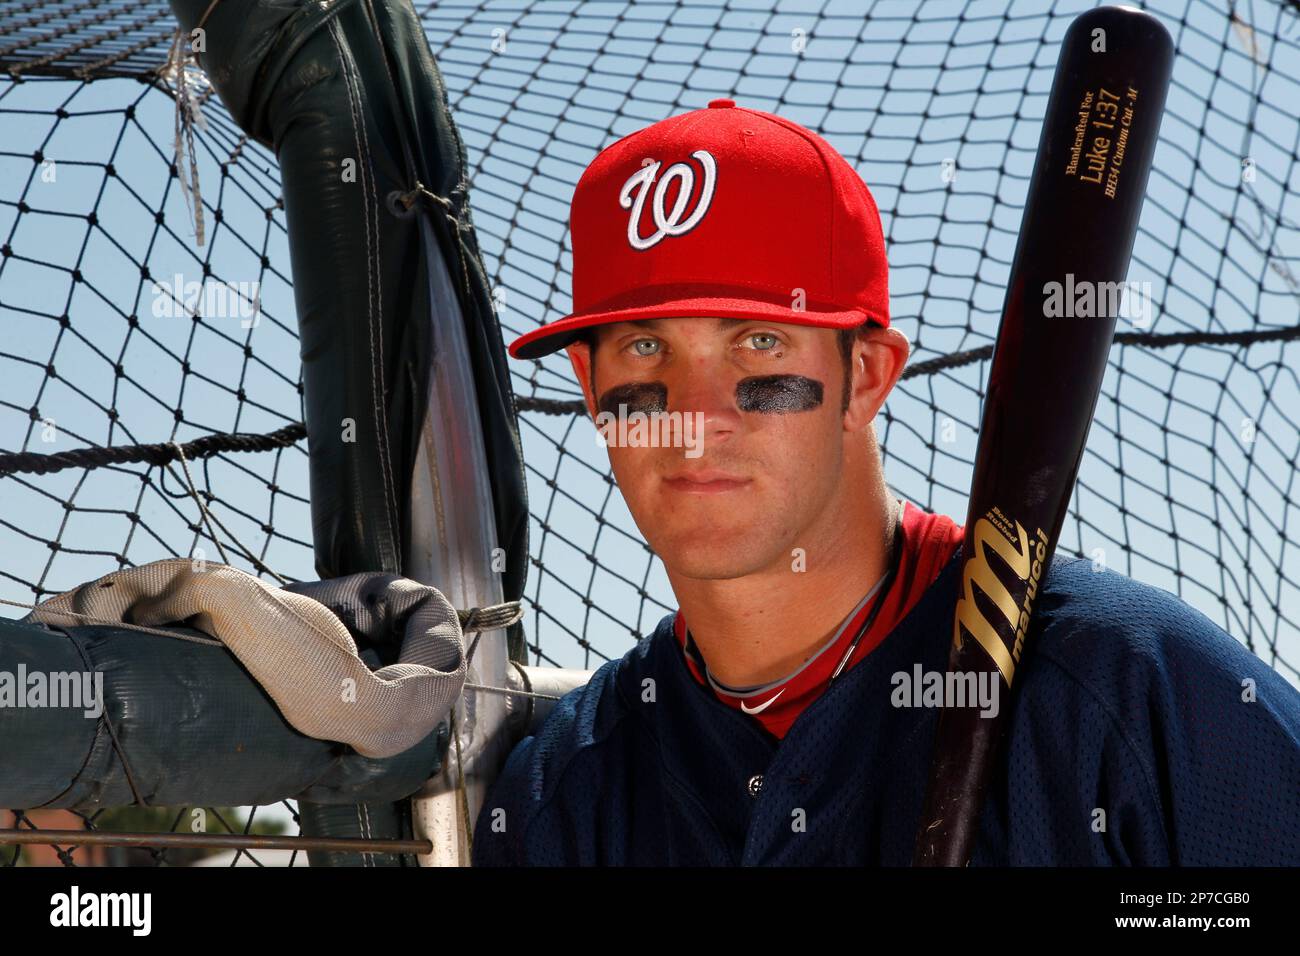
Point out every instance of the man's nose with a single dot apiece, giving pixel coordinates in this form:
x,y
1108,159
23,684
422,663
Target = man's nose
x,y
705,390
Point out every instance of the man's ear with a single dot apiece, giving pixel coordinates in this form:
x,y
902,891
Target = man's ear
x,y
580,357
878,359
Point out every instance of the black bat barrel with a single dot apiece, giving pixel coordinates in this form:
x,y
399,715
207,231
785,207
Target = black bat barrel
x,y
1065,293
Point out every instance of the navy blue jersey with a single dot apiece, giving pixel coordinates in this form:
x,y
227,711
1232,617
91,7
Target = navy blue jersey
x,y
1140,734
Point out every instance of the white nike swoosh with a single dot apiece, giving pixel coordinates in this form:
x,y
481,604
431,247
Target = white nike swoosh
x,y
761,707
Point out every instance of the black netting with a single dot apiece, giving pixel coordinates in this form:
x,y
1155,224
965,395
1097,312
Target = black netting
x,y
1189,481
215,821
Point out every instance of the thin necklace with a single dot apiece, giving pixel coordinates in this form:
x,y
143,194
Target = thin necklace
x,y
768,686
887,581
881,589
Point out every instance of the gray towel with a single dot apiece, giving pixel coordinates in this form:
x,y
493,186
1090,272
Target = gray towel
x,y
296,645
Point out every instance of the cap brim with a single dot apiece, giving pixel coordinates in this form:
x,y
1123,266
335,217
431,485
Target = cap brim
x,y
555,336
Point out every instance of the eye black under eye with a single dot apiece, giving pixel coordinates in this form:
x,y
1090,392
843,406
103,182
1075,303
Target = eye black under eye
x,y
778,393
644,397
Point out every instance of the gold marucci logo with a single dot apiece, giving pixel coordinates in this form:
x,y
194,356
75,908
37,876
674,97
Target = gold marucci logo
x,y
1014,602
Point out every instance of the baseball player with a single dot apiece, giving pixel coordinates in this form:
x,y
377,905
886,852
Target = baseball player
x,y
729,269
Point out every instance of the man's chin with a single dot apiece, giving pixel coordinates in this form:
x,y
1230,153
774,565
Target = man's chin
x,y
717,558
712,572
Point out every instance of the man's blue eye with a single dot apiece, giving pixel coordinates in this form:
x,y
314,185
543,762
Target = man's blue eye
x,y
645,346
760,337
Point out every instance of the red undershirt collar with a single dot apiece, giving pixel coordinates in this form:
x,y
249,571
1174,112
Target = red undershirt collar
x,y
928,541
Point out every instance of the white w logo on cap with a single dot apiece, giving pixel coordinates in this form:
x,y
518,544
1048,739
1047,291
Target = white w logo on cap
x,y
667,223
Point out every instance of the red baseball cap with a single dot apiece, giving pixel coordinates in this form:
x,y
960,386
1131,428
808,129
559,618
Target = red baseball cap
x,y
726,212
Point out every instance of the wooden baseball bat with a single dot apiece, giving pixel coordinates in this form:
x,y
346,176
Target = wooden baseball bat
x,y
1063,298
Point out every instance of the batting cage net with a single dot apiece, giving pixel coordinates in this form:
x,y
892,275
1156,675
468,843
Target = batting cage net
x,y
150,394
